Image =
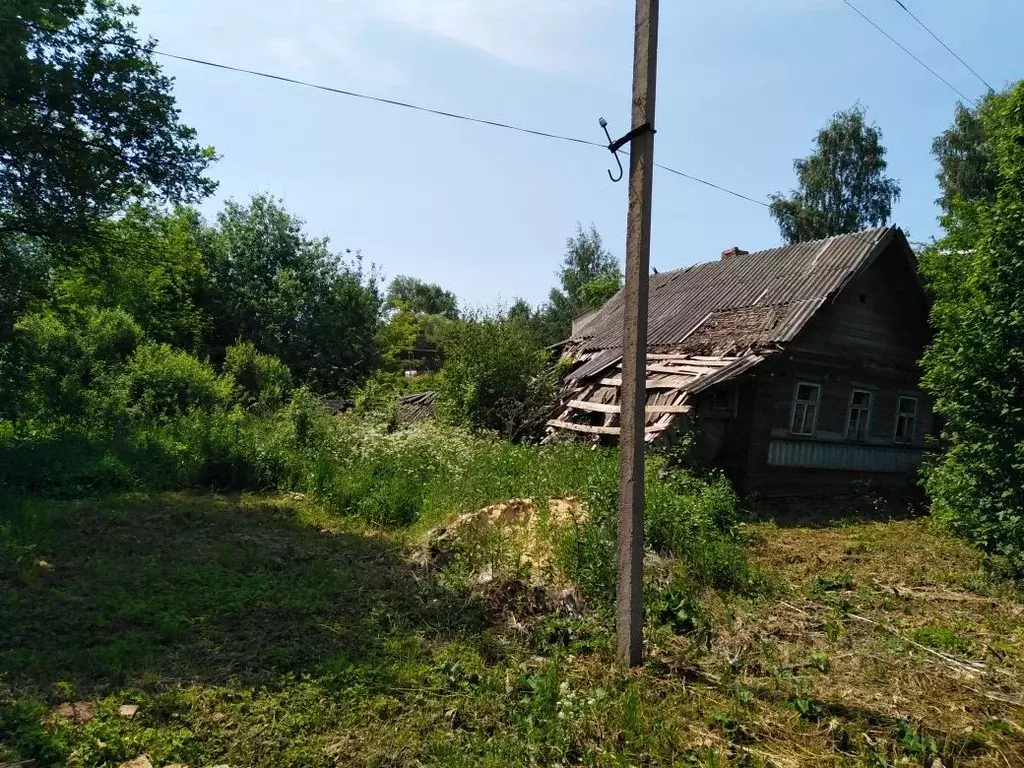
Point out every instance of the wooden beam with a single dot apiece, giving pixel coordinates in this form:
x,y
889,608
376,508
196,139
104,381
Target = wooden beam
x,y
687,362
678,408
684,370
587,428
583,405
671,382
559,424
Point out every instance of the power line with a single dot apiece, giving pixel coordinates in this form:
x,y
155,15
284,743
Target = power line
x,y
380,99
444,113
712,185
943,44
907,51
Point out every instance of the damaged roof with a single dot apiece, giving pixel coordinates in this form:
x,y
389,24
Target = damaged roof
x,y
708,324
744,301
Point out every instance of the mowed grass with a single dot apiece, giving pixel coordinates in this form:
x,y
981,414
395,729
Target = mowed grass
x,y
254,631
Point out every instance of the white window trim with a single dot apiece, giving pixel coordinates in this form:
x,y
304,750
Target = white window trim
x,y
817,408
896,420
870,415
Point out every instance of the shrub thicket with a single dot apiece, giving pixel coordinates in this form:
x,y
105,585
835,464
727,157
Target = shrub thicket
x,y
262,381
494,377
164,419
976,276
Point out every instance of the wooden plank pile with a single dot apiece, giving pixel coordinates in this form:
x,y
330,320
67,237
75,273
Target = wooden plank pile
x,y
591,405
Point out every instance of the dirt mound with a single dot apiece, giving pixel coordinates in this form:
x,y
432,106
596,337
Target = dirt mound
x,y
514,533
509,549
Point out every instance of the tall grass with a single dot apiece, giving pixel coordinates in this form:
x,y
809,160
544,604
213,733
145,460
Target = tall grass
x,y
413,478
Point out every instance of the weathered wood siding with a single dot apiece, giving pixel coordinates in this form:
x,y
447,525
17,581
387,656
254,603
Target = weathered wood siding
x,y
869,338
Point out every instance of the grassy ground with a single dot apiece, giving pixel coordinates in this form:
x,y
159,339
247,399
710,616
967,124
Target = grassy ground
x,y
261,632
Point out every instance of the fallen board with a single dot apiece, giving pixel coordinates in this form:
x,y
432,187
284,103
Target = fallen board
x,y
586,428
583,405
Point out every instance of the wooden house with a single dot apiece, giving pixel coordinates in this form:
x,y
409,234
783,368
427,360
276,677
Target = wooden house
x,y
795,369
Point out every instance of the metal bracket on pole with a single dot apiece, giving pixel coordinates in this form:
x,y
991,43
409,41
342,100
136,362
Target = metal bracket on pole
x,y
615,146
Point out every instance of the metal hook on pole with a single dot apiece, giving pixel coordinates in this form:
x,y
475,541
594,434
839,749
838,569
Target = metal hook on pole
x,y
604,124
616,145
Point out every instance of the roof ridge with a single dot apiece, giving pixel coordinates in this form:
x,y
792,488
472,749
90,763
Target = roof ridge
x,y
802,276
859,234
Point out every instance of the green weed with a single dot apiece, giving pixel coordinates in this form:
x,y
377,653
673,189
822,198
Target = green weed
x,y
943,639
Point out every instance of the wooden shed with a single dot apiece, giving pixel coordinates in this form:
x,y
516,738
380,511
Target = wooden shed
x,y
795,369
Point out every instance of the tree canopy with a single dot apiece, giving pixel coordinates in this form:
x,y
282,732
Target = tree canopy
x,y
965,159
975,366
290,295
841,186
588,277
416,295
87,121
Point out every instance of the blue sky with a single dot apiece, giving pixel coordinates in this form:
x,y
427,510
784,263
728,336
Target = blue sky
x,y
743,87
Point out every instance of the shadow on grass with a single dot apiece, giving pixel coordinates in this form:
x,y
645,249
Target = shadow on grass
x,y
832,512
206,589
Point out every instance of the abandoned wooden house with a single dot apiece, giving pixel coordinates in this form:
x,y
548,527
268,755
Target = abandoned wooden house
x,y
794,369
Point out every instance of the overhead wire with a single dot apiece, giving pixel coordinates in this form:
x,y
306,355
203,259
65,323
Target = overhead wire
x,y
448,114
943,44
909,53
380,99
467,118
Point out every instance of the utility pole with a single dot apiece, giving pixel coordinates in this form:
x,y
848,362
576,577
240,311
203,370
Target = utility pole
x,y
633,399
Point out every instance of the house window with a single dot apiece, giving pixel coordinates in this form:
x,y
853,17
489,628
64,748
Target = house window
x,y
859,416
805,408
906,419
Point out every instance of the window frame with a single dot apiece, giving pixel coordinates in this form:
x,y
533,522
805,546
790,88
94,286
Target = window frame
x,y
868,415
909,439
796,402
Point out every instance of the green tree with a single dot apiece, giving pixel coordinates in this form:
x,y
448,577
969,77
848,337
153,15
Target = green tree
x,y
397,339
418,296
494,377
87,119
287,293
842,186
975,365
965,159
588,277
147,263
24,277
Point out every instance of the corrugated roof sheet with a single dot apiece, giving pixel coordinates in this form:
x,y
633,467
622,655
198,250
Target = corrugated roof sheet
x,y
696,308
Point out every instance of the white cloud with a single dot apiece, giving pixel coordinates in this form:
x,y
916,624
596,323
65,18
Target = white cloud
x,y
548,35
332,37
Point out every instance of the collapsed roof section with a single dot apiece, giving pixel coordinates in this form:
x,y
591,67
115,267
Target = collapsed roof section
x,y
591,405
707,324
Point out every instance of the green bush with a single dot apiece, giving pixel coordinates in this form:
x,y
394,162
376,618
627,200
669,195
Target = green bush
x,y
261,380
53,361
160,382
44,370
493,377
687,517
112,336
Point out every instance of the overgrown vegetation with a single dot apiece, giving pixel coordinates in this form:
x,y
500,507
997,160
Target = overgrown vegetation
x,y
976,275
495,378
440,594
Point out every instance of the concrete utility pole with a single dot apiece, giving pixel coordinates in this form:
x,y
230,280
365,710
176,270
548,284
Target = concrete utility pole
x,y
633,399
